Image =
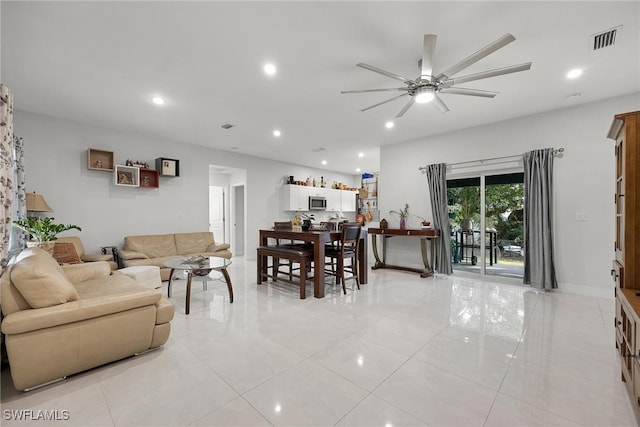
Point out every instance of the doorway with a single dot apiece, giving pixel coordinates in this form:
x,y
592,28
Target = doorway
x,y
493,203
217,208
227,214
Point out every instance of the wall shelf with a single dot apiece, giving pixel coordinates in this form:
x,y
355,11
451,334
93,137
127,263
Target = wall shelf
x,y
127,176
100,160
168,167
149,178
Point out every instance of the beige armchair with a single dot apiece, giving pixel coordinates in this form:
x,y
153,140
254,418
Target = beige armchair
x,y
60,320
82,255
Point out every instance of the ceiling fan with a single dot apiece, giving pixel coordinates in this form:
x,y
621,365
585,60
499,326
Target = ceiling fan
x,y
427,86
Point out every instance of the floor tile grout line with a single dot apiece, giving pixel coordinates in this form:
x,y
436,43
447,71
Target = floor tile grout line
x,y
506,372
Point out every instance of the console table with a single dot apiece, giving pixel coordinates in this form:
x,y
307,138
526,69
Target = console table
x,y
423,234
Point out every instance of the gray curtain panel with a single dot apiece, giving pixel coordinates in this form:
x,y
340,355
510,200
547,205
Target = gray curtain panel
x,y
437,179
539,264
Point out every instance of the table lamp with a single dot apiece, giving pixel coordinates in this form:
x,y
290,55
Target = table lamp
x,y
36,203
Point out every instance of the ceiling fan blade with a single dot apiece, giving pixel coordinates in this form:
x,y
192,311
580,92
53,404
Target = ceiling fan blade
x,y
406,107
383,102
375,90
471,92
472,59
428,49
440,104
380,71
487,74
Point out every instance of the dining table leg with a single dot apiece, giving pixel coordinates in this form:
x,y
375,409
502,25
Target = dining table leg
x,y
318,268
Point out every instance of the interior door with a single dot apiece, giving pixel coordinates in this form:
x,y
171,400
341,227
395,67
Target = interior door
x,y
216,213
238,221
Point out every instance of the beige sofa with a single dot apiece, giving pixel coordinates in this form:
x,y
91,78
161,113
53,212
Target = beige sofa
x,y
63,320
158,248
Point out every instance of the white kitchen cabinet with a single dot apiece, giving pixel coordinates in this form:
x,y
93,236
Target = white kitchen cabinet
x,y
333,200
347,201
294,198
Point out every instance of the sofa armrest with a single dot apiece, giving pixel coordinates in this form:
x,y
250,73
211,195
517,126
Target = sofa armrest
x,y
96,257
124,254
76,311
77,273
218,247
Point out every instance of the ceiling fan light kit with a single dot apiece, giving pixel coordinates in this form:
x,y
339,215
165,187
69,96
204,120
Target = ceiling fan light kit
x,y
424,95
427,87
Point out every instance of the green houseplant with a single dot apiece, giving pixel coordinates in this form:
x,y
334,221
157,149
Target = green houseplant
x,y
42,230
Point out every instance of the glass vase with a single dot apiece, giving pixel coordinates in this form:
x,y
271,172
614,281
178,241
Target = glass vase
x,y
403,224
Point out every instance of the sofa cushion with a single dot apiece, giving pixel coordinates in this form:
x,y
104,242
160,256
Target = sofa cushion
x,y
189,243
40,280
154,246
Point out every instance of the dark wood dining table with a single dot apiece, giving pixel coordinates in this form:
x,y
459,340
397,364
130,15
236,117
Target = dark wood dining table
x,y
319,238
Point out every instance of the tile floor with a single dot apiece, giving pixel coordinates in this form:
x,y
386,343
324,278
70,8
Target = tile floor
x,y
402,351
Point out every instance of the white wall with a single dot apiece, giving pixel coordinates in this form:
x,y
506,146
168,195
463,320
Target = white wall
x,y
56,166
583,180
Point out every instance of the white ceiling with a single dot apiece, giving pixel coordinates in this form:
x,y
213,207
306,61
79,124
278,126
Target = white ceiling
x,y
101,62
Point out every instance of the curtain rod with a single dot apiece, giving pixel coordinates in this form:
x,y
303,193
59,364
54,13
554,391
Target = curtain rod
x,y
556,152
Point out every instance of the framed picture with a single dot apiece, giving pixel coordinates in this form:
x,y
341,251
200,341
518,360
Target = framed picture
x,y
125,178
168,167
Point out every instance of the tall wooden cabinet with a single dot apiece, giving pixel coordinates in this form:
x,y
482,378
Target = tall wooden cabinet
x,y
625,130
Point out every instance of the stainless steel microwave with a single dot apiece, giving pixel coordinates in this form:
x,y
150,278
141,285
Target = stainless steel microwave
x,y
317,203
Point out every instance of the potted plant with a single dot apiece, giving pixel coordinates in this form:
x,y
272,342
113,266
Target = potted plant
x,y
404,214
469,201
423,222
42,231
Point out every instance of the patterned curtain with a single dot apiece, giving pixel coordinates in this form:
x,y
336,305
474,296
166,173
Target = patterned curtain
x,y
437,179
6,171
18,238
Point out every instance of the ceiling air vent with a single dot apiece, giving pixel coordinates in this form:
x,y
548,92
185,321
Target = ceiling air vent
x,y
318,149
226,126
604,39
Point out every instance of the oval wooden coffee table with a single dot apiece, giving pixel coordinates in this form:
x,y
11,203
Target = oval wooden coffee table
x,y
199,267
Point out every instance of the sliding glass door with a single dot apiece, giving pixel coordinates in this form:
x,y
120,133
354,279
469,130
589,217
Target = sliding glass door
x,y
486,218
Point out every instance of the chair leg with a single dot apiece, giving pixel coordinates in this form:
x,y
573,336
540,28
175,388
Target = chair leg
x,y
341,275
275,267
354,269
303,279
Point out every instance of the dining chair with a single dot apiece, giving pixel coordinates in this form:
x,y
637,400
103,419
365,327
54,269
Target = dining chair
x,y
287,244
346,249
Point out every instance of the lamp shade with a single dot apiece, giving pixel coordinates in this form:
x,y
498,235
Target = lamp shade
x,y
37,203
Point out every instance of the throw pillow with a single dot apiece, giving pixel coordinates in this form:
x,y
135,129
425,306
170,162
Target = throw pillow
x,y
65,253
40,280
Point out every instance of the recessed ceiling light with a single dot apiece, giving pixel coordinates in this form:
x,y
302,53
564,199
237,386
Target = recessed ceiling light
x,y
575,73
269,69
357,169
276,133
324,162
361,154
158,100
389,124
